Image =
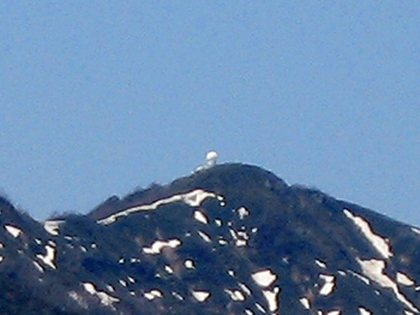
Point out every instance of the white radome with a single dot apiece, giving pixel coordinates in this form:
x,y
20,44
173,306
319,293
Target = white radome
x,y
211,158
212,155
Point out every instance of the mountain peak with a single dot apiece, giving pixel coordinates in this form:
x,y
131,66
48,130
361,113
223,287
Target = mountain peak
x,y
231,238
230,176
233,174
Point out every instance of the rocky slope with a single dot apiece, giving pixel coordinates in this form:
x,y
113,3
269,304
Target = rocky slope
x,y
232,239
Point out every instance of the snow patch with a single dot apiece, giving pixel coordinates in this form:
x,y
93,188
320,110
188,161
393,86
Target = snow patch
x,y
243,235
242,212
241,243
204,236
258,305
272,298
363,311
193,198
235,295
178,296
75,296
105,298
110,288
49,257
222,242
320,264
200,295
158,246
244,288
329,284
364,279
53,226
404,279
378,242
415,230
239,238
196,197
305,302
189,264
153,294
38,266
131,279
264,278
14,231
201,217
374,269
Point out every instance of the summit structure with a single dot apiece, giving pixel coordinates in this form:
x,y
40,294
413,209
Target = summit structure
x,y
211,160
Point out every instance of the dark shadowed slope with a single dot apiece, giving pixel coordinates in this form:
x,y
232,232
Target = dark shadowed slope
x,y
232,239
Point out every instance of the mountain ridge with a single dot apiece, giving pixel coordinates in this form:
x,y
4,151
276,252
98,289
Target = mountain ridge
x,y
155,191
230,239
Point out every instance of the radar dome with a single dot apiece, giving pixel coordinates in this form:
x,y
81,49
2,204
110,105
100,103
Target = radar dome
x,y
211,158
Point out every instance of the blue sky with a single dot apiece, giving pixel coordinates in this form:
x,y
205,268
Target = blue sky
x,y
98,98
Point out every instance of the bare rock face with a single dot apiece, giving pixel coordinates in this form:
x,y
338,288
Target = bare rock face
x,y
230,239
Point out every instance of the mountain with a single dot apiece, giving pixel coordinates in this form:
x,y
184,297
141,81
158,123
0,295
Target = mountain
x,y
230,239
